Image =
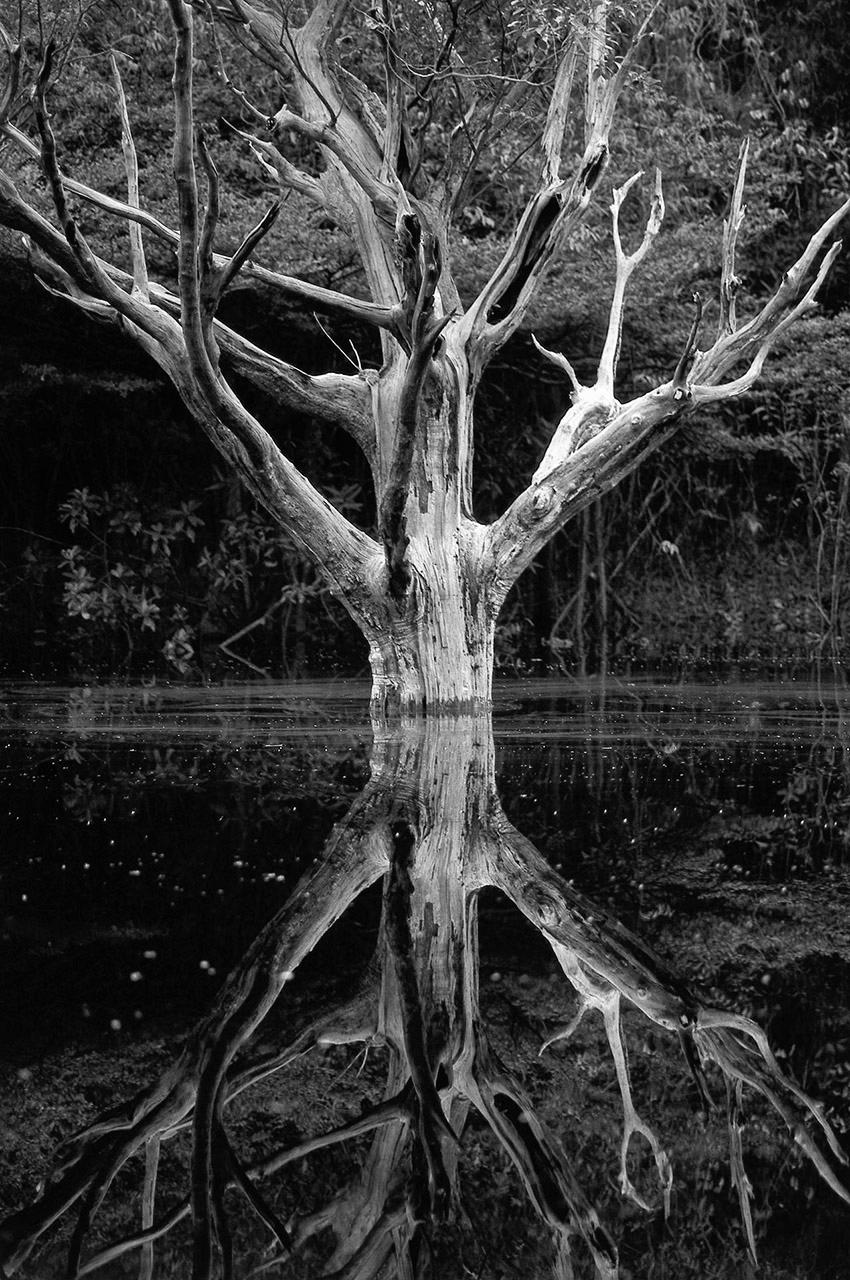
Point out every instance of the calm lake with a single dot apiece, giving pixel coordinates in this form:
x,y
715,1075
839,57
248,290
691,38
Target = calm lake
x,y
150,834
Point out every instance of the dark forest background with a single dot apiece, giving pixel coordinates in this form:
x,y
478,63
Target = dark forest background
x,y
127,549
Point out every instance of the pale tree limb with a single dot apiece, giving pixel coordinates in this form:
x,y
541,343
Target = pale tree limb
x,y
348,557
327,136
559,206
290,286
729,349
599,440
551,1185
131,167
592,407
602,996
396,140
729,281
594,941
420,327
329,111
331,397
561,362
281,171
625,265
9,93
557,115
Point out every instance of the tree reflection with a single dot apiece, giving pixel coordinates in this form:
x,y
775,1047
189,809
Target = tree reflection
x,y
430,826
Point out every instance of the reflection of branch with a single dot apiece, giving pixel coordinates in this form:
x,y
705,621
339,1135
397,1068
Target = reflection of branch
x,y
585,938
94,1156
607,1000
550,1184
430,822
432,1124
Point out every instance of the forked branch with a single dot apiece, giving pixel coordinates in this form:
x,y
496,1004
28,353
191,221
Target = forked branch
x,y
729,281
599,440
605,962
560,204
625,266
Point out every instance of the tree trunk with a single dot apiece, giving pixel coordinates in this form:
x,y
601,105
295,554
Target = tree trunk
x,y
433,645
438,654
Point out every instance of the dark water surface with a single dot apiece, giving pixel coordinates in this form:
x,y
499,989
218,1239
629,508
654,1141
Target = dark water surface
x,y
148,835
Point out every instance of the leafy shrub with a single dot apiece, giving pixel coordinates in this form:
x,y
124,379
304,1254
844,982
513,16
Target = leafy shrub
x,y
150,586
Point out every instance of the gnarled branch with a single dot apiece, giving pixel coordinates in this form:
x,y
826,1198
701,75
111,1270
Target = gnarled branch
x,y
599,440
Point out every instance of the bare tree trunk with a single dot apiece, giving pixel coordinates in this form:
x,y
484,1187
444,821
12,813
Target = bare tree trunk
x,y
433,646
439,653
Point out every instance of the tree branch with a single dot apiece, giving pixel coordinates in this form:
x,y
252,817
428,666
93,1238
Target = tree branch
x,y
729,281
420,329
329,104
328,299
355,857
9,92
599,441
557,113
131,166
327,136
558,207
346,555
625,265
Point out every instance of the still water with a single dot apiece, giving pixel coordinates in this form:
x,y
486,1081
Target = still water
x,y
327,958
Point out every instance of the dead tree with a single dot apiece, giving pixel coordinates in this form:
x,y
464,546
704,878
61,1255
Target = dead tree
x,y
429,823
427,589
